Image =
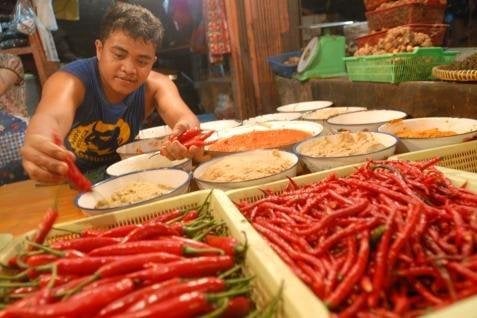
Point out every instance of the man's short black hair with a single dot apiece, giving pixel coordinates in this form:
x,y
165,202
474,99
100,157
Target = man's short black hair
x,y
134,20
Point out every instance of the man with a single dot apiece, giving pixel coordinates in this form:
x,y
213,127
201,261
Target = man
x,y
97,104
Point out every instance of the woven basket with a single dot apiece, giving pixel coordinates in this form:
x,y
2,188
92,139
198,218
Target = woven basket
x,y
453,75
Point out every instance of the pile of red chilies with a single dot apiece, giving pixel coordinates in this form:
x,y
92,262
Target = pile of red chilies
x,y
393,239
192,137
153,269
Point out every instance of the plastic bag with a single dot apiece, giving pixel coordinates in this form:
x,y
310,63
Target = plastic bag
x,y
45,13
24,18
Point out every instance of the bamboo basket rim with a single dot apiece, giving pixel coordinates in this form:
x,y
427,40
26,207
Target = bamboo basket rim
x,y
454,75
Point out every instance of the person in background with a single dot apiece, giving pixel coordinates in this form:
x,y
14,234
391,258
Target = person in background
x,y
95,105
13,118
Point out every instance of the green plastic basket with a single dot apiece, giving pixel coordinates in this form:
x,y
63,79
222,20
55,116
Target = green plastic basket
x,y
399,67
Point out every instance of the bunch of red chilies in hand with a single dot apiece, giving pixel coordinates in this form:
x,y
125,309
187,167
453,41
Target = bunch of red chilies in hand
x,y
393,239
192,137
169,266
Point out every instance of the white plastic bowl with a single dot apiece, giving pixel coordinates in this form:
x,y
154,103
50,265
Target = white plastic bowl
x,y
321,115
247,158
139,147
162,131
465,129
272,117
314,129
366,120
178,180
154,132
304,107
318,163
147,162
219,124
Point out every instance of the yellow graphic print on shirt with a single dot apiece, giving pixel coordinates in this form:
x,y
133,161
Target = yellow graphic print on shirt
x,y
98,139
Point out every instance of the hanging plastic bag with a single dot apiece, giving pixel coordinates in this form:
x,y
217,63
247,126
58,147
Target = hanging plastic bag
x,y
45,13
24,17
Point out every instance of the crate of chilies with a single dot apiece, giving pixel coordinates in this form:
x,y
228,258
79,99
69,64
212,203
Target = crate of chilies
x,y
380,239
187,256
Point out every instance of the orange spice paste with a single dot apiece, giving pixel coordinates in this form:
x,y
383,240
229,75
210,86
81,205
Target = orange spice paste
x,y
259,140
427,133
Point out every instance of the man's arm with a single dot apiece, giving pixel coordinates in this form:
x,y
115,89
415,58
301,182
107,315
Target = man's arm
x,y
43,160
176,114
169,104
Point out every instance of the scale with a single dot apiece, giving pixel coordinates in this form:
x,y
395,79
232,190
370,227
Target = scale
x,y
324,55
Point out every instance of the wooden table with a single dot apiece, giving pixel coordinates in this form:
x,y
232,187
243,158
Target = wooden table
x,y
22,205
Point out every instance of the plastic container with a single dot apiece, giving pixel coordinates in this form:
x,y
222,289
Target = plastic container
x,y
399,67
436,32
277,64
462,156
260,261
428,13
462,309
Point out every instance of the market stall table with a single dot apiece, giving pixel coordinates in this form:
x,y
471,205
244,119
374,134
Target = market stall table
x,y
22,205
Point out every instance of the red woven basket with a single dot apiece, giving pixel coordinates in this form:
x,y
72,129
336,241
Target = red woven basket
x,y
370,5
410,13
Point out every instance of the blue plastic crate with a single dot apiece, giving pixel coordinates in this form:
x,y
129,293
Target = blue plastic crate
x,y
277,66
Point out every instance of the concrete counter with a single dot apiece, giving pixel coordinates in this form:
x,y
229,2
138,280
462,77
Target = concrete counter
x,y
418,99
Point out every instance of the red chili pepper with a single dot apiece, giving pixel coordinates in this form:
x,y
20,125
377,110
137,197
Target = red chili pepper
x,y
188,134
166,217
347,211
85,244
120,231
196,141
130,263
353,277
121,304
149,230
78,266
356,304
191,215
45,279
23,291
380,271
228,244
83,304
74,175
205,284
351,254
193,137
91,233
191,304
47,223
190,267
421,289
239,306
339,235
167,245
411,224
41,259
287,259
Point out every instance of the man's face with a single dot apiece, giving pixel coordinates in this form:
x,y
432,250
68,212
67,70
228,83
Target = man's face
x,y
124,63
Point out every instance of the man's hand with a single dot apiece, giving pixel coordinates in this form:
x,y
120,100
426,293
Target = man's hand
x,y
175,150
43,160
